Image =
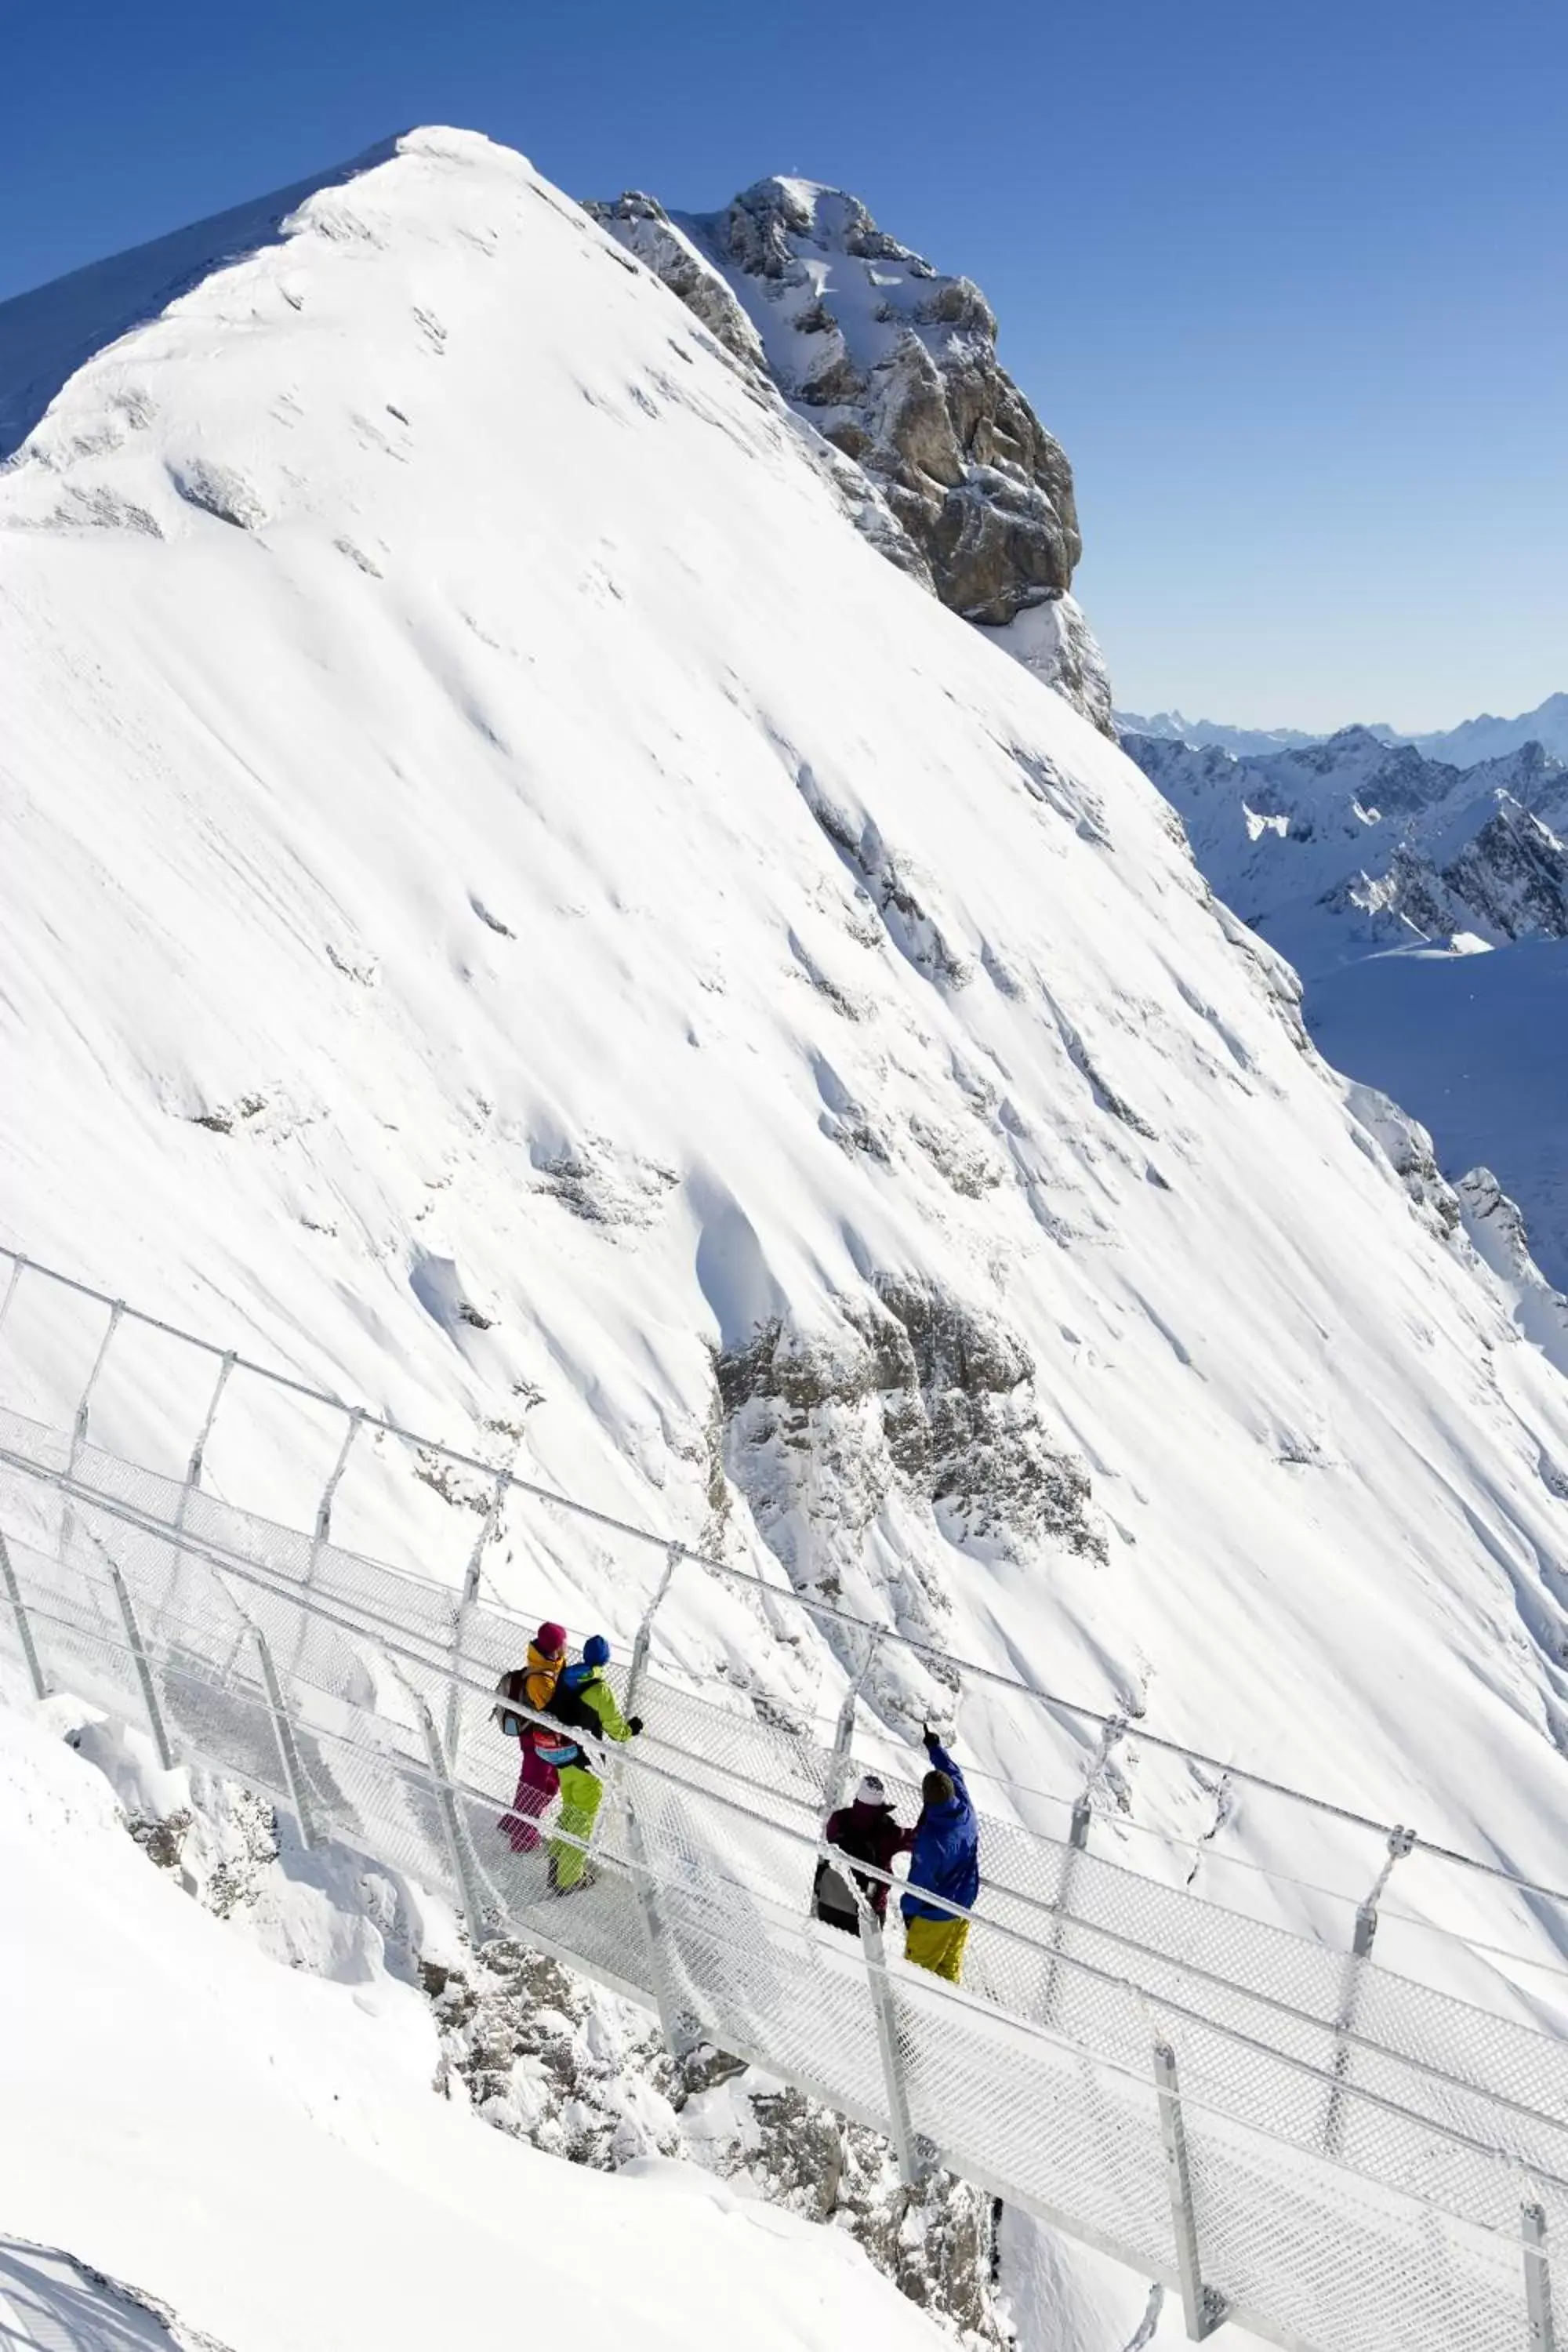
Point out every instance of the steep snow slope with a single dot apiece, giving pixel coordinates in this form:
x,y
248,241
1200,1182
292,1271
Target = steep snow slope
x,y
514,909
51,331
260,2152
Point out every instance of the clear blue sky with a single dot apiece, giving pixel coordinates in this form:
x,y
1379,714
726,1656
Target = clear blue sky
x,y
1287,280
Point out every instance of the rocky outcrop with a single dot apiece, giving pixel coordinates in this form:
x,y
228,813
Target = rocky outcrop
x,y
546,2057
864,1447
644,228
895,366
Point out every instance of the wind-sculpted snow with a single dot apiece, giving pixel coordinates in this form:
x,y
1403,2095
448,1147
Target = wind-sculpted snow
x,y
530,854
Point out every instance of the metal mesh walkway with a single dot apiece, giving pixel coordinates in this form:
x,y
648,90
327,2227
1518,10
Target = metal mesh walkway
x,y
1295,2138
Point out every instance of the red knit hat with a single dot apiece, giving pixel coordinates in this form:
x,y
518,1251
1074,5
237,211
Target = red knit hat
x,y
550,1640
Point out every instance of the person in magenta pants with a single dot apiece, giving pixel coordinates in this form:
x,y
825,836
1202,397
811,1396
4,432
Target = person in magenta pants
x,y
538,1783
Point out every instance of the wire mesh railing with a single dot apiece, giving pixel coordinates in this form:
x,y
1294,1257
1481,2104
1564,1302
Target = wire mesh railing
x,y
1294,2138
93,1385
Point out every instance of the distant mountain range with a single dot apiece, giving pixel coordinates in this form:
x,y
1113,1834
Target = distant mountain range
x,y
1384,875
1464,746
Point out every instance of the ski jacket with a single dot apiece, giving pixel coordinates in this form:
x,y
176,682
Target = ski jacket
x,y
869,1833
945,1858
583,1701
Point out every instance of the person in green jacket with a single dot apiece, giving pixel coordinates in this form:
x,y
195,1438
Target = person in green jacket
x,y
584,1702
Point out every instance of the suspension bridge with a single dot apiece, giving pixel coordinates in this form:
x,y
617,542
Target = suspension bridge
x,y
1299,2141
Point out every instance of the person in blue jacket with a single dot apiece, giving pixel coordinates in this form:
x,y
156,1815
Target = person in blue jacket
x,y
945,1861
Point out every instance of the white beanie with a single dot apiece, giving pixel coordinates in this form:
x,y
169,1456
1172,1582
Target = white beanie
x,y
870,1792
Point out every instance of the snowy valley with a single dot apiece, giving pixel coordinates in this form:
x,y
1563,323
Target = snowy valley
x,y
538,899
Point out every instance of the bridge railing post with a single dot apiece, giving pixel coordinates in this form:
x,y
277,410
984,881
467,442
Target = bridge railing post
x,y
1537,2280
142,1662
680,2032
1401,1841
288,1748
321,1533
18,1267
198,1451
643,1643
464,1876
844,1730
463,1614
907,2148
1078,1842
1202,2308
24,1629
84,1404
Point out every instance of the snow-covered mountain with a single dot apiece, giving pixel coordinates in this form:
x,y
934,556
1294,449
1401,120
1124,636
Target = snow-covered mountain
x,y
1376,870
1339,849
1173,726
514,908
1465,746
895,366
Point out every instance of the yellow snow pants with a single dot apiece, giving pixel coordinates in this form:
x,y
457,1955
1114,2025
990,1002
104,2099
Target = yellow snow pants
x,y
935,1944
581,1795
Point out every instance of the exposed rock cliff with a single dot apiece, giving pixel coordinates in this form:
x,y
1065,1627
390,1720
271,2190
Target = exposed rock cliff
x,y
895,366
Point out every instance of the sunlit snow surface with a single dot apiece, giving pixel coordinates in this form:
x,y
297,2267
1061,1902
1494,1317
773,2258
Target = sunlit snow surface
x,y
261,2152
456,747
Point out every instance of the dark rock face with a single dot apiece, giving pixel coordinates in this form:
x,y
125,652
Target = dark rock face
x,y
911,1422
896,367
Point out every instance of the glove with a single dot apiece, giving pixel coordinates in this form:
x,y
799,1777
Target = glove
x,y
932,1739
634,1724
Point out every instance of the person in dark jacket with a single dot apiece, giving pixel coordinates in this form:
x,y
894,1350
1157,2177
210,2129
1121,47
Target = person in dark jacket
x,y
867,1831
945,1861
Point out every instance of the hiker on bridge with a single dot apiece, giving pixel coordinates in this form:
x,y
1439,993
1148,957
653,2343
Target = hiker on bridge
x,y
583,1702
532,1686
867,1831
945,1861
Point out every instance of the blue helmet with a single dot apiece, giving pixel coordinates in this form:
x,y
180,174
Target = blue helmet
x,y
596,1651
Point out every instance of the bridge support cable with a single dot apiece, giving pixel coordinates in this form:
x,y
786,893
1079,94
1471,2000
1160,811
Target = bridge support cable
x,y
24,1629
1203,2308
1537,2280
